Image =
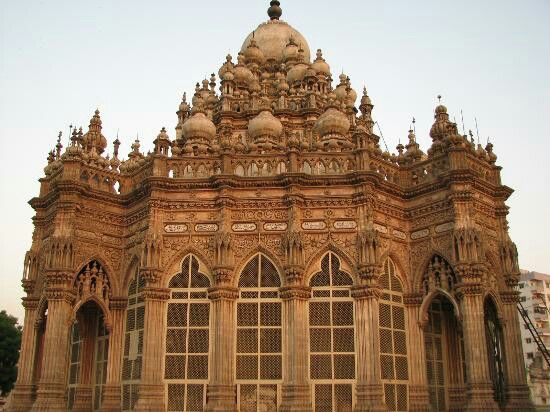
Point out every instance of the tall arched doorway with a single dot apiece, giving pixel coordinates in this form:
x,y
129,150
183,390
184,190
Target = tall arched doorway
x,y
332,337
259,360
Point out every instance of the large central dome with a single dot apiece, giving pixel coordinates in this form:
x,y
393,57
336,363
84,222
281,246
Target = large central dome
x,y
273,36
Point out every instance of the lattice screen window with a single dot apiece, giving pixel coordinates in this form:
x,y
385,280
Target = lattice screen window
x,y
393,341
259,337
435,362
187,338
332,338
133,343
74,365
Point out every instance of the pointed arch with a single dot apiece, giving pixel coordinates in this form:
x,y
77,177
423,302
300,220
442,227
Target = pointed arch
x,y
129,274
402,274
434,294
173,265
313,265
100,304
494,297
267,254
189,275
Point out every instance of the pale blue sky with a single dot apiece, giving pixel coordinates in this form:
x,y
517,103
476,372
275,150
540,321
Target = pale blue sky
x,y
59,60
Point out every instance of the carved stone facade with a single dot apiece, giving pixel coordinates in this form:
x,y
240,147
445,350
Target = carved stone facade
x,y
272,257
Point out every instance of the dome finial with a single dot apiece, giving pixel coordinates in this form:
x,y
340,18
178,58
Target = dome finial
x,y
275,11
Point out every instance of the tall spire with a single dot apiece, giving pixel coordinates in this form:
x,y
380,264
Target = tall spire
x,y
275,11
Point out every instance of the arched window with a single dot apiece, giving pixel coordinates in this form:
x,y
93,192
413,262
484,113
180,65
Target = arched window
x,y
394,366
332,338
259,337
187,338
133,342
495,351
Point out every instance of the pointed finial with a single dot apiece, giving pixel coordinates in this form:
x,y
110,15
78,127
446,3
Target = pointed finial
x,y
439,98
275,11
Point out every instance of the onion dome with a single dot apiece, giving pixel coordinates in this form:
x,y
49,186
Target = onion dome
x,y
332,122
227,66
243,75
441,125
290,53
344,92
94,139
253,53
320,65
199,131
228,76
265,126
273,36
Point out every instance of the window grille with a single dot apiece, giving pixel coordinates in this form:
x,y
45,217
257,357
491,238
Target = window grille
x,y
100,360
74,365
133,343
332,338
259,337
435,362
394,366
187,339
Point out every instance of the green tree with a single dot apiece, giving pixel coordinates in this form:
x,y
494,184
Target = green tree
x,y
10,341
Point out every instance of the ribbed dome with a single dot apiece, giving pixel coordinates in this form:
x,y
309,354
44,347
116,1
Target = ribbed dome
x,y
272,38
199,127
265,125
333,121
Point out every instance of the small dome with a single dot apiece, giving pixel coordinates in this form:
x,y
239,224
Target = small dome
x,y
199,126
253,53
272,38
228,76
265,125
296,73
440,109
320,65
332,121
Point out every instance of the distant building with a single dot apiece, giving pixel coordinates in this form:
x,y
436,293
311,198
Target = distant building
x,y
534,291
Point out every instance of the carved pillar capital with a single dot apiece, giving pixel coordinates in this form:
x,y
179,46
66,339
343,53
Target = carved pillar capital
x,y
510,297
413,299
295,292
369,273
118,303
152,275
223,293
156,294
365,292
30,303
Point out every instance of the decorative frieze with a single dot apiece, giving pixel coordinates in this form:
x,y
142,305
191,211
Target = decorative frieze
x,y
419,234
176,228
314,225
206,227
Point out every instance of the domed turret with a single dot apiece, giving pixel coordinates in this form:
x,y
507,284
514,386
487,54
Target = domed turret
x,y
94,139
198,131
298,71
440,127
243,75
273,36
344,92
253,53
320,65
265,126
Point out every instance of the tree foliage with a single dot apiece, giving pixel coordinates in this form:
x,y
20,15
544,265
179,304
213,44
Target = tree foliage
x,y
10,341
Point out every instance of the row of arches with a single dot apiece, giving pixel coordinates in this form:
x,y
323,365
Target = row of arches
x,y
259,332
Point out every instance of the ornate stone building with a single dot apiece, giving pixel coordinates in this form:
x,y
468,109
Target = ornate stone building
x,y
271,257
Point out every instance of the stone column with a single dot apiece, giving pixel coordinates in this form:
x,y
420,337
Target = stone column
x,y
112,389
480,387
151,388
23,394
369,389
296,391
517,395
418,388
221,388
87,326
455,384
50,396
